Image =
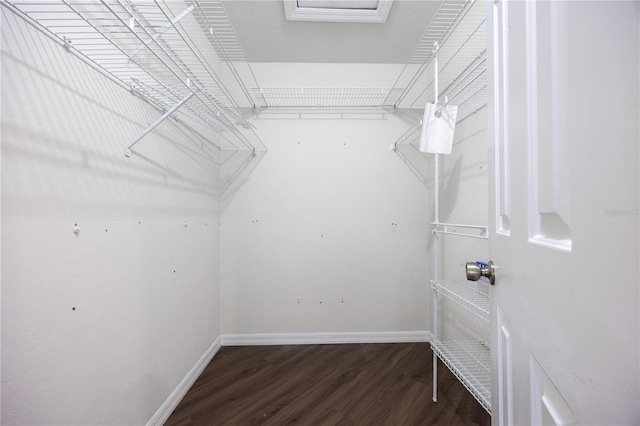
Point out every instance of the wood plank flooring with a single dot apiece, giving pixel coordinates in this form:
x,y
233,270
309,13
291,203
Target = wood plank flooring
x,y
347,384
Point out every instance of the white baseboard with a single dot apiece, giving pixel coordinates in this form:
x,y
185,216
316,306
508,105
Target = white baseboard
x,y
325,338
180,391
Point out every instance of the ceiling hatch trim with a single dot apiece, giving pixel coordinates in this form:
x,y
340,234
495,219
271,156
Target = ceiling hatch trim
x,y
294,12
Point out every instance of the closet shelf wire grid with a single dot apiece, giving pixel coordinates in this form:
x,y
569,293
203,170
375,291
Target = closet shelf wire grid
x,y
468,92
473,298
459,31
333,98
157,49
471,363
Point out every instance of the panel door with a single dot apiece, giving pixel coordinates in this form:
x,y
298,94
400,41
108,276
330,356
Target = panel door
x,y
564,211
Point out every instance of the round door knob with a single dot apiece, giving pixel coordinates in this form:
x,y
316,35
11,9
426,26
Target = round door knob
x,y
475,271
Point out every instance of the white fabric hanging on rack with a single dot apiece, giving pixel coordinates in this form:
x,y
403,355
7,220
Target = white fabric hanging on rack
x,y
437,132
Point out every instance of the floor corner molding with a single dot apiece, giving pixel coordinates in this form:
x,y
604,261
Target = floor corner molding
x,y
325,338
179,392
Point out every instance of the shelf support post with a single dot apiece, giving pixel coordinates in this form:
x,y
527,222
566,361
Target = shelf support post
x,y
127,149
436,245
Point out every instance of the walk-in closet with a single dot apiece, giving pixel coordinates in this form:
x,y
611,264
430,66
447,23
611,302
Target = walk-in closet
x,y
319,212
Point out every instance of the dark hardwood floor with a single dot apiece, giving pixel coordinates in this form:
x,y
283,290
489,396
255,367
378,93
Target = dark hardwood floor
x,y
347,384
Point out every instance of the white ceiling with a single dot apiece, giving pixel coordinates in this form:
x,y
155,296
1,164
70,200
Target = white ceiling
x,y
266,36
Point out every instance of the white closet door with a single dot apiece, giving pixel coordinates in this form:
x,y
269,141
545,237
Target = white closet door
x,y
564,207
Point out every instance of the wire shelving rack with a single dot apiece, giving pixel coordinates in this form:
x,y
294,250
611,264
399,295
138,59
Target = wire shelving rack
x,y
471,363
164,50
473,298
458,28
332,98
469,356
182,57
459,31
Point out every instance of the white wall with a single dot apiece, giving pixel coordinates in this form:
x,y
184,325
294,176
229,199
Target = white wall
x,y
328,234
98,327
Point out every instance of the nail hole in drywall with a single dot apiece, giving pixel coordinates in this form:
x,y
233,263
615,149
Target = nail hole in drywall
x,y
73,308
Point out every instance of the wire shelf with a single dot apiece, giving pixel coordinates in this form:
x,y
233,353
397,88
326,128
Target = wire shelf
x,y
458,28
470,362
177,50
473,298
469,90
445,19
323,98
169,53
459,31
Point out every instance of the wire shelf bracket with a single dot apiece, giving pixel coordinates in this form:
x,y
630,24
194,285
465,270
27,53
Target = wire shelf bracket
x,y
127,149
481,231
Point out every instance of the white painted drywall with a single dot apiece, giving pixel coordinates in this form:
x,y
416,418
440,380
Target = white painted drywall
x,y
304,74
328,234
98,327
